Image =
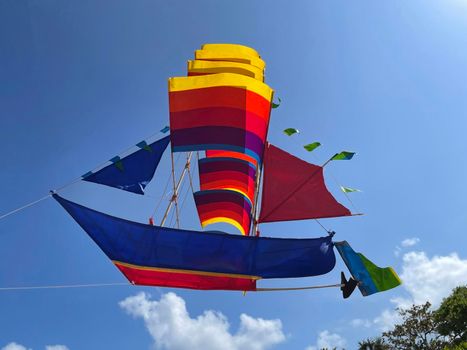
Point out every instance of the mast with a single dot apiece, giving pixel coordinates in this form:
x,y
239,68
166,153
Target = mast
x,y
177,185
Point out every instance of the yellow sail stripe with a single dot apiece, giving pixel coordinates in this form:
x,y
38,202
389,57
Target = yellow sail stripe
x,y
212,67
190,272
211,55
221,79
223,219
239,49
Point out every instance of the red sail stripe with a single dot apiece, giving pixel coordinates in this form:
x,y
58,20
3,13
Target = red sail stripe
x,y
222,96
219,116
249,191
226,180
230,154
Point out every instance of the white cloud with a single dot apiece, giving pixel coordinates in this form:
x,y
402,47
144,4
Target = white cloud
x,y
14,346
387,320
406,243
432,279
328,340
361,322
171,326
409,242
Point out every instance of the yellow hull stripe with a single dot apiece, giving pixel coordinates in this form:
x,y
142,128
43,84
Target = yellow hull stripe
x,y
190,272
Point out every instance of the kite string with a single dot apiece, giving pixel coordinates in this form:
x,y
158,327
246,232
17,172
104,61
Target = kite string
x,y
298,288
25,206
67,286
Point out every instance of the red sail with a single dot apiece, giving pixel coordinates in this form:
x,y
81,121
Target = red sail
x,y
295,190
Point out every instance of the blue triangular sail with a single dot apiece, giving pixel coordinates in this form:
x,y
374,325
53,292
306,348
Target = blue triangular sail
x,y
133,172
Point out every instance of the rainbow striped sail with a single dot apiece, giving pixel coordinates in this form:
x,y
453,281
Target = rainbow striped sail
x,y
223,105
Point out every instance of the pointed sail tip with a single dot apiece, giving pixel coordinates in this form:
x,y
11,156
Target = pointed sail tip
x,y
291,131
89,173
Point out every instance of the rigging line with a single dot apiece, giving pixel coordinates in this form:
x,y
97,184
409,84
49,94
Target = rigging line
x,y
175,192
25,206
67,286
163,196
184,198
174,195
345,193
190,178
339,285
320,224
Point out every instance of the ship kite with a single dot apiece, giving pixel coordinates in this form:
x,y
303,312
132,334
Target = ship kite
x,y
221,111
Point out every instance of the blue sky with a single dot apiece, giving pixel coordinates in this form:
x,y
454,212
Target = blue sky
x,y
80,81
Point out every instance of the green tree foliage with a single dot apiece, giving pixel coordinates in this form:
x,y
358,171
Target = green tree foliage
x,y
451,317
425,329
373,344
417,331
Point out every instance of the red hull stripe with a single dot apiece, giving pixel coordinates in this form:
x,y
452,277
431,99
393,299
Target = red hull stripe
x,y
163,277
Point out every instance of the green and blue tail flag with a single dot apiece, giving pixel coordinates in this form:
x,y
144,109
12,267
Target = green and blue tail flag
x,y
372,279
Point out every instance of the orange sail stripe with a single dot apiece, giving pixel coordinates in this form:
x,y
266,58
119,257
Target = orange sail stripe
x,y
229,154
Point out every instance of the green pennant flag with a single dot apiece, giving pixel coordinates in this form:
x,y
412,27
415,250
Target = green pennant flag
x,y
348,189
344,155
311,146
118,163
291,131
275,105
144,145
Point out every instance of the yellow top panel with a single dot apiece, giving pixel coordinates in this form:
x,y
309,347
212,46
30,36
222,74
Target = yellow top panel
x,y
212,67
231,48
211,55
221,79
